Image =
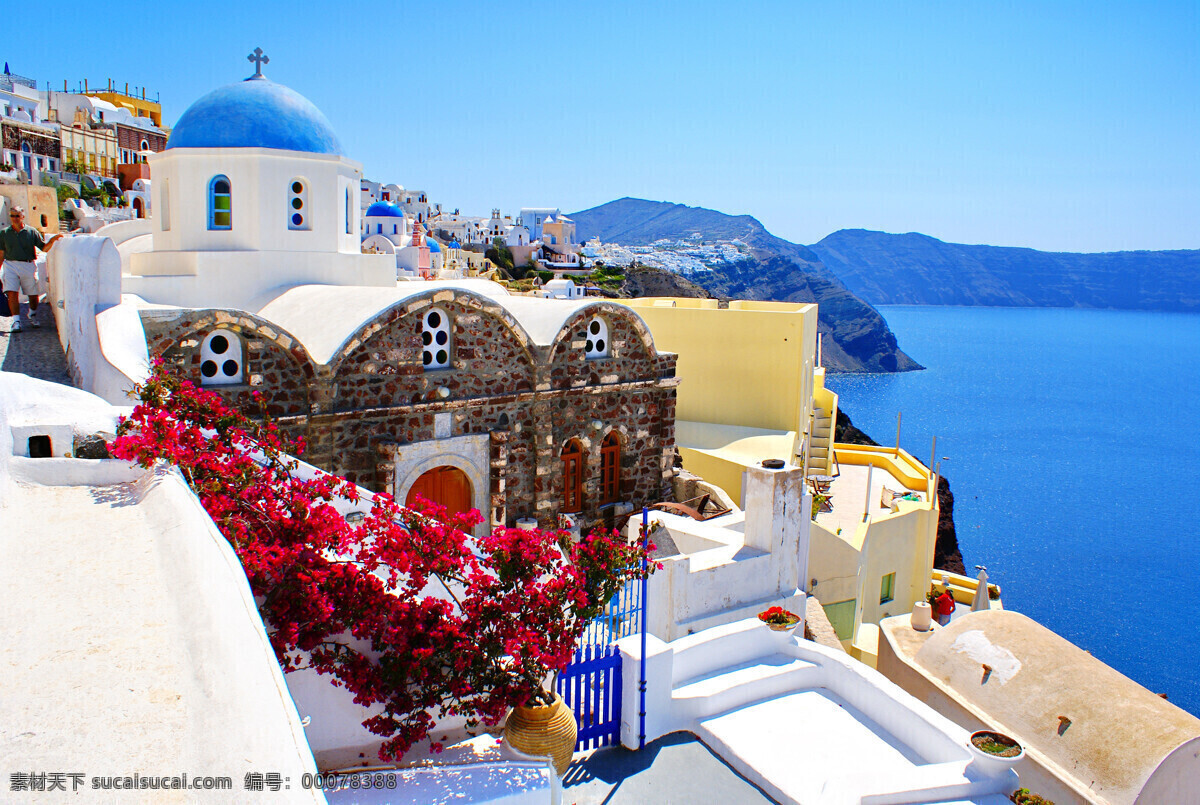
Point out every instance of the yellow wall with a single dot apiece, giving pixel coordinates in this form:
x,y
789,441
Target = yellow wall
x,y
749,365
137,106
897,543
901,464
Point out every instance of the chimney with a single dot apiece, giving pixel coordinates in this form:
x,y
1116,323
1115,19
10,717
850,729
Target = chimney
x,y
777,518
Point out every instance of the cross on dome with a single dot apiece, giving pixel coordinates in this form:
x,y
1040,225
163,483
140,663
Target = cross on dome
x,y
259,59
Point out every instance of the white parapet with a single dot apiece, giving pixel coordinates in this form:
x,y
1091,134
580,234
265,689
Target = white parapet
x,y
803,722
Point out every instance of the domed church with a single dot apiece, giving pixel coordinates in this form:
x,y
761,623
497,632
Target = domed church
x,y
250,278
253,192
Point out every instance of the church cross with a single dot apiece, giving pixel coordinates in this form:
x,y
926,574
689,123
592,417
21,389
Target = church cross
x,y
259,60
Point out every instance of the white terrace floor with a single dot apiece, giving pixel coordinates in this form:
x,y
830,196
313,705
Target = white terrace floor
x,y
849,494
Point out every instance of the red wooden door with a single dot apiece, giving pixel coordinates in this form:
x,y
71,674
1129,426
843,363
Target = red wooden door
x,y
572,471
448,486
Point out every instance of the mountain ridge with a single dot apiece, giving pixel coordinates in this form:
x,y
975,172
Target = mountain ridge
x,y
857,337
913,268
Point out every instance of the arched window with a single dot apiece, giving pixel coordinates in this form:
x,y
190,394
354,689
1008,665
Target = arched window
x,y
221,361
220,203
597,338
297,209
435,339
572,474
610,469
349,219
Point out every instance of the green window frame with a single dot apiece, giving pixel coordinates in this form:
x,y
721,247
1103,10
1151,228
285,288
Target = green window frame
x,y
887,588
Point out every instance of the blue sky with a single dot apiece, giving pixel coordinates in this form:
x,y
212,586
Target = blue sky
x,y
1060,126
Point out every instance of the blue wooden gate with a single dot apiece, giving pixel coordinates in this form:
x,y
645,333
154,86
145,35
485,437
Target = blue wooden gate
x,y
591,684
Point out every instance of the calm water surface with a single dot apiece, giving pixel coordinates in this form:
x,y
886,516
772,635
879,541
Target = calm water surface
x,y
1072,444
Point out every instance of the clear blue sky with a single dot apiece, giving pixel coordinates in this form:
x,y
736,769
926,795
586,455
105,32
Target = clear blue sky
x,y
1063,126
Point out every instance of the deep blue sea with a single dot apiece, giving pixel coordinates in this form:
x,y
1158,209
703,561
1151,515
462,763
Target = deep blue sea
x,y
1072,445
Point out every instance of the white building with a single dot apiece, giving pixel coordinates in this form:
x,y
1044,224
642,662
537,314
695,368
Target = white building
x,y
532,219
20,95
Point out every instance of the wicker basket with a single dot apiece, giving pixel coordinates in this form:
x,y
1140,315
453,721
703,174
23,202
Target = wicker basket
x,y
545,730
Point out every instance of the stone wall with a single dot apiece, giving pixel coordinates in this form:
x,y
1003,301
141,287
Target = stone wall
x,y
358,413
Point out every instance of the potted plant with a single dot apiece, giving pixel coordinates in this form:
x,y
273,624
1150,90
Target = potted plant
x,y
995,750
779,619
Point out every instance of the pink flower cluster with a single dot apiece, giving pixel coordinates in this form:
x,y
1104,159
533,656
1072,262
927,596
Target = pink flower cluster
x,y
404,609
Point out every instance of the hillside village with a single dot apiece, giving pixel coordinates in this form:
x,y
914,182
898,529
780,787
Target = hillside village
x,y
427,355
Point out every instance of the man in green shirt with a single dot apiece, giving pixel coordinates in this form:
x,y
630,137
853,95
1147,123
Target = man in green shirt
x,y
18,245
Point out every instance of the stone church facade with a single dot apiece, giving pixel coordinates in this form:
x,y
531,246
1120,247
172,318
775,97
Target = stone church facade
x,y
455,392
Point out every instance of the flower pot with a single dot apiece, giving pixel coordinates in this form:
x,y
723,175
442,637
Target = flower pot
x,y
991,761
543,730
783,627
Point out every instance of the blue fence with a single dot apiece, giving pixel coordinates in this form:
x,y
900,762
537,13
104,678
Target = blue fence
x,y
591,684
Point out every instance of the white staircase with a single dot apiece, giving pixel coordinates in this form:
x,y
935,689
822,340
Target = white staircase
x,y
807,727
761,678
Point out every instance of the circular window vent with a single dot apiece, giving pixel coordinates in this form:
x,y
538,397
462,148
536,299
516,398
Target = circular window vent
x,y
597,338
435,339
221,359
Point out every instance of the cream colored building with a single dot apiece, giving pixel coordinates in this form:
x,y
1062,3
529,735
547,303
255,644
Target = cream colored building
x,y
750,390
1091,735
95,150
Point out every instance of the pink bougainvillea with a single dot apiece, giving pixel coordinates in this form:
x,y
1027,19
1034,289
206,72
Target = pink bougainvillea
x,y
402,608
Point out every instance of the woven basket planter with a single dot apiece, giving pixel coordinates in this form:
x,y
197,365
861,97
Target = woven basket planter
x,y
543,730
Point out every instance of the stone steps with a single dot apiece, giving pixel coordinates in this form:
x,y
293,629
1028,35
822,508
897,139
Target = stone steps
x,y
761,678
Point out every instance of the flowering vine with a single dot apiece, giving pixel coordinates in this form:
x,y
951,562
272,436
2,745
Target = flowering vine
x,y
402,607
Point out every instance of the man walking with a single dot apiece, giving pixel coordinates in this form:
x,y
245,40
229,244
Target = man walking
x,y
18,245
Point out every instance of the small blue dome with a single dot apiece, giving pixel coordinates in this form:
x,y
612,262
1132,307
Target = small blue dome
x,y
255,113
433,245
455,245
384,209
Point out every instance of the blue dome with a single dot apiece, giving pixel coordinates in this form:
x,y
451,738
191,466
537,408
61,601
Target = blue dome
x,y
384,209
433,245
255,113
454,245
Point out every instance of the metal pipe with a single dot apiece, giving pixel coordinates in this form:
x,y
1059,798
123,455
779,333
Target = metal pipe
x,y
867,502
898,413
819,351
933,452
642,672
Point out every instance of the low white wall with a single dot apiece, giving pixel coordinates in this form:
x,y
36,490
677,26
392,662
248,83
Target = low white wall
x,y
105,348
757,561
230,651
940,743
122,231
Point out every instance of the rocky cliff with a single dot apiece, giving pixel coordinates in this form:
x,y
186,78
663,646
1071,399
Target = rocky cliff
x,y
857,339
915,269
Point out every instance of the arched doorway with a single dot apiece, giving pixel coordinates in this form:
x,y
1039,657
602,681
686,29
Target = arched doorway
x,y
137,207
448,486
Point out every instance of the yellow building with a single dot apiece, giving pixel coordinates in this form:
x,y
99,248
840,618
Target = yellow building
x,y
749,389
137,106
746,381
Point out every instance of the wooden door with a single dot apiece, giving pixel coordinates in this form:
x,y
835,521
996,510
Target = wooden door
x,y
448,486
572,472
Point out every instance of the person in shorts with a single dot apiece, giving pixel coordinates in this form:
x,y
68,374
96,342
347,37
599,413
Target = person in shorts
x,y
18,251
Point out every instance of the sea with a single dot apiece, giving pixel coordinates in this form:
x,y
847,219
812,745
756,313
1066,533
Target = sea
x,y
1071,441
